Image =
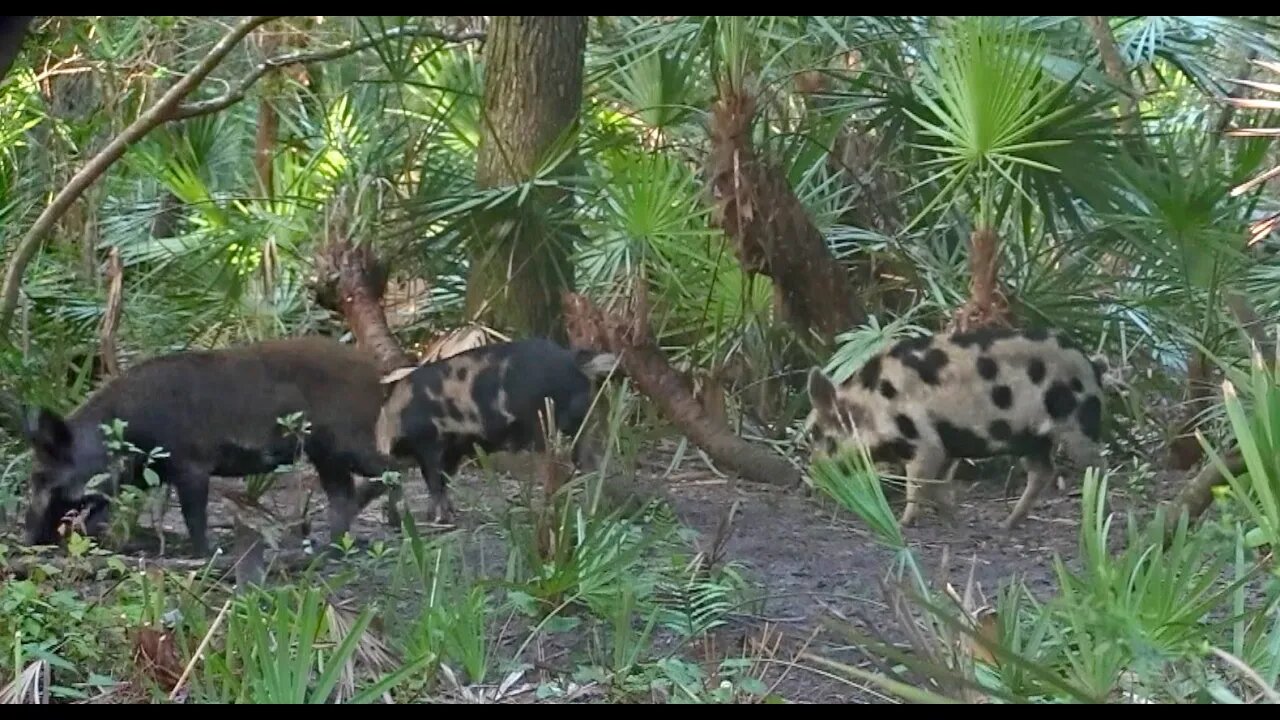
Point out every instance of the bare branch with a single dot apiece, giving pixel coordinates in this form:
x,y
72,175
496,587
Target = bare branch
x,y
236,94
1114,65
111,316
1196,494
156,115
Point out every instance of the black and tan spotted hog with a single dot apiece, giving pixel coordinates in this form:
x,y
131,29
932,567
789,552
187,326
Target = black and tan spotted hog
x,y
489,397
929,402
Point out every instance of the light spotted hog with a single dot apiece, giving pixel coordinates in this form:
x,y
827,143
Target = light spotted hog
x,y
929,402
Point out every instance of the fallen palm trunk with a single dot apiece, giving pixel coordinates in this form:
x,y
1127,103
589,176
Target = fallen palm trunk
x,y
627,335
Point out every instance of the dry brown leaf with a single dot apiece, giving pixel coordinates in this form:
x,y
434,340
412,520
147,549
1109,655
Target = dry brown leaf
x,y
155,656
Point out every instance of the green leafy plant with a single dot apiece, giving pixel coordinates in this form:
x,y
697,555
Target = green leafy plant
x,y
276,650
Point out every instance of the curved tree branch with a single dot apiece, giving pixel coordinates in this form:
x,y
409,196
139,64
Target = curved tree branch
x,y
156,115
626,333
237,93
1196,494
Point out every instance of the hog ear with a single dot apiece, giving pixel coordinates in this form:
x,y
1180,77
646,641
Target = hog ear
x,y
47,433
822,394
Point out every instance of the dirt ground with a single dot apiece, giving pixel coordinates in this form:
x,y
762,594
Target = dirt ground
x,y
809,559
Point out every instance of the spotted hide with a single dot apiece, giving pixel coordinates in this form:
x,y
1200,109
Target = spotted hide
x,y
929,402
489,397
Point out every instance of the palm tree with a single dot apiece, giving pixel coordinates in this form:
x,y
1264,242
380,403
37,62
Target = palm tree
x,y
1000,138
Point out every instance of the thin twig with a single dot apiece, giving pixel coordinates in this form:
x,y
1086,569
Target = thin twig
x,y
236,94
204,642
156,115
1267,691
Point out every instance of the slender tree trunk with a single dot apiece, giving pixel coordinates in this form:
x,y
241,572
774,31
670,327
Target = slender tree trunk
x,y
532,98
169,210
264,145
1115,68
1185,450
987,305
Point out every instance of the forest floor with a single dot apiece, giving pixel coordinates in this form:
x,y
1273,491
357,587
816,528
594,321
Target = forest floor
x,y
806,560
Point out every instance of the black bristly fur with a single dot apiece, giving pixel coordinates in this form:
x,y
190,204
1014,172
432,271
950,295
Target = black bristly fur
x,y
215,413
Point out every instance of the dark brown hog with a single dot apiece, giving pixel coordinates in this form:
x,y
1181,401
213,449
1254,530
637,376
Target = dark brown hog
x,y
489,397
215,413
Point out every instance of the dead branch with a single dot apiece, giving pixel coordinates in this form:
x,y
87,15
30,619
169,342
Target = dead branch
x,y
627,334
237,93
111,317
156,115
352,279
1197,494
1113,64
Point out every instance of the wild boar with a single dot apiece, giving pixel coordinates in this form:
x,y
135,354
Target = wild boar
x,y
929,402
489,397
215,412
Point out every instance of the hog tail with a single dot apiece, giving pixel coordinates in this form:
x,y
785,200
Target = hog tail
x,y
1082,451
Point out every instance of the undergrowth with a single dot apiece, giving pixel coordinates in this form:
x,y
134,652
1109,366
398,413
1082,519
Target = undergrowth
x,y
617,590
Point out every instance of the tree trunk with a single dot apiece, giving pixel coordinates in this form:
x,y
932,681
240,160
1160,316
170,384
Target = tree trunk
x,y
169,210
532,97
771,230
352,281
987,305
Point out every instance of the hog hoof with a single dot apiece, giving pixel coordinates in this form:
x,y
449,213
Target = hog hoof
x,y
441,511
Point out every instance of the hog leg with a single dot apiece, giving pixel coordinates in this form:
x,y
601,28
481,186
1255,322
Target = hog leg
x,y
1039,467
942,494
339,490
570,421
373,466
439,507
925,466
192,484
